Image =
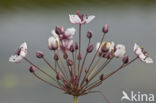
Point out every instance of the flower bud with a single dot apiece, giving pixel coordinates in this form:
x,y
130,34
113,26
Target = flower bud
x,y
76,46
32,69
79,57
125,60
89,34
58,76
102,77
86,70
90,48
87,80
39,54
105,28
56,57
70,62
71,48
65,56
75,77
58,30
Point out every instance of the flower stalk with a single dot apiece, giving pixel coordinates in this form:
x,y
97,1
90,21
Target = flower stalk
x,y
75,99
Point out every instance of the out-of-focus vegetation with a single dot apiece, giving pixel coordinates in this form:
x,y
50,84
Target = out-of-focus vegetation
x,y
53,3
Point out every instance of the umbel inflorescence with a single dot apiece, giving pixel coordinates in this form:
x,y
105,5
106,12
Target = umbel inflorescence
x,y
72,75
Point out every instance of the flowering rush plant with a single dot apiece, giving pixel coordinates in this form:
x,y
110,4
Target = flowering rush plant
x,y
71,73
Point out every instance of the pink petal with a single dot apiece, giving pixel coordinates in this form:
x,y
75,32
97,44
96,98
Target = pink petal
x,y
90,18
74,19
15,59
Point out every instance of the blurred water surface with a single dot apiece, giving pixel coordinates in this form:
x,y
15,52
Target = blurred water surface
x,y
130,21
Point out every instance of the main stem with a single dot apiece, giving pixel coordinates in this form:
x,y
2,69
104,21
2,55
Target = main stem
x,y
75,100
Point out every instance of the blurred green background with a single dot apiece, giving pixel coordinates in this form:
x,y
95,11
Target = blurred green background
x,y
130,21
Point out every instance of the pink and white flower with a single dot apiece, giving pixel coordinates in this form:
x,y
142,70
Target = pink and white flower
x,y
105,46
62,38
120,51
80,18
53,42
68,33
20,53
142,54
65,45
64,34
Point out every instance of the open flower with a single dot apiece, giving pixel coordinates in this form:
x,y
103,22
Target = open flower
x,y
120,50
80,18
20,53
143,55
64,34
106,49
105,46
65,45
68,33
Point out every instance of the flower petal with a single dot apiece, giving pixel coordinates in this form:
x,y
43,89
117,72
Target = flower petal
x,y
54,33
120,51
24,50
112,46
53,42
74,19
137,50
70,43
136,46
15,59
23,45
70,31
142,56
148,60
97,46
90,18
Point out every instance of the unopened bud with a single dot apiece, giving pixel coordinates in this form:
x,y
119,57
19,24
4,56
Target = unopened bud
x,y
58,30
89,34
58,76
79,57
39,54
90,48
65,56
105,28
102,77
125,59
71,48
76,46
86,70
70,62
32,69
56,57
87,80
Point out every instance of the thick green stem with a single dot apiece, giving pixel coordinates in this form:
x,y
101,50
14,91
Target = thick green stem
x,y
75,100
